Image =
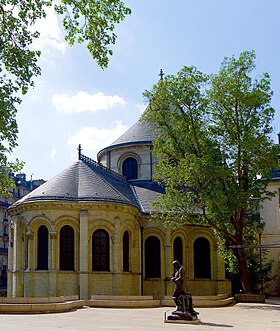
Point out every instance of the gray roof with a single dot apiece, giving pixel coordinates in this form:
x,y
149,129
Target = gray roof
x,y
86,180
275,175
147,192
140,133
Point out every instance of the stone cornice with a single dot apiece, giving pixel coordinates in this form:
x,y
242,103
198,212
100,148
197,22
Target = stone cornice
x,y
78,206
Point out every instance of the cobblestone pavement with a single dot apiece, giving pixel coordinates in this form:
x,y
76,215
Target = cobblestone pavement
x,y
242,317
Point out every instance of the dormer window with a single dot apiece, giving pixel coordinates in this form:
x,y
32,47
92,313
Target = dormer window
x,y
130,168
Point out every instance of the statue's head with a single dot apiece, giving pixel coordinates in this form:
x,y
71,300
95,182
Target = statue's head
x,y
176,264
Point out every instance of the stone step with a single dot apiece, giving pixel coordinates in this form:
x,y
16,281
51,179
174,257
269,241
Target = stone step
x,y
123,301
40,308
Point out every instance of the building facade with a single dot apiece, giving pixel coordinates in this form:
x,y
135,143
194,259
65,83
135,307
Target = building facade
x,y
270,239
88,231
21,188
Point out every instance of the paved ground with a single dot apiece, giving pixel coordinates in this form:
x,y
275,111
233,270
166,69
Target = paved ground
x,y
242,317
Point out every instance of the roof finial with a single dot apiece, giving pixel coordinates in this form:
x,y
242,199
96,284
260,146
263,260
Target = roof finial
x,y
79,152
161,74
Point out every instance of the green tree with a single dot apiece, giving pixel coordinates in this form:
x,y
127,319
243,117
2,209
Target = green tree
x,y
89,21
214,149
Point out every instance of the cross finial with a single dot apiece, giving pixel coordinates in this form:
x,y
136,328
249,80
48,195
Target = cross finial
x,y
161,74
79,152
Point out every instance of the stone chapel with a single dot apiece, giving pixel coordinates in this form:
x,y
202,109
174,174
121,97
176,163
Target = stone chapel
x,y
88,231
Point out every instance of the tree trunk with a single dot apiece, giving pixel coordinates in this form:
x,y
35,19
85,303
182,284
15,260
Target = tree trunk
x,y
244,271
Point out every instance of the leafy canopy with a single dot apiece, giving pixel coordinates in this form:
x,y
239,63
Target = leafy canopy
x,y
214,147
89,21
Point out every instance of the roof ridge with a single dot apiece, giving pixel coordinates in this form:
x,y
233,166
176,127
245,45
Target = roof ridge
x,y
90,162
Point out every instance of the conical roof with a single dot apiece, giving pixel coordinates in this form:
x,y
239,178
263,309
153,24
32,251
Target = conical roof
x,y
140,133
84,181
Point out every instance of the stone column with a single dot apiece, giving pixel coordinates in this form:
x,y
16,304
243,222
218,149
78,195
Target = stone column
x,y
10,259
52,250
28,288
117,253
168,261
52,265
84,255
168,258
30,255
17,289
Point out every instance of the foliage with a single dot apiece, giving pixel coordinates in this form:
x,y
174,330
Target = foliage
x,y
214,149
260,269
91,21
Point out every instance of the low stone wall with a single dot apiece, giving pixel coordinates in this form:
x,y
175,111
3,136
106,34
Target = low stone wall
x,y
42,305
35,300
257,298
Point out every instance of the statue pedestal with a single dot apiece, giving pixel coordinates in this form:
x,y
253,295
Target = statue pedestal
x,y
181,317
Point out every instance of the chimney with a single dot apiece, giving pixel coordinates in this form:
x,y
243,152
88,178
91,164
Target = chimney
x,y
278,134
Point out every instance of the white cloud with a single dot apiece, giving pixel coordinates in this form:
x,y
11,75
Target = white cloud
x,y
53,153
51,36
84,101
141,108
94,139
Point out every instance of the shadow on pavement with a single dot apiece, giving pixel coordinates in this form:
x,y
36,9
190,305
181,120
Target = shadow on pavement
x,y
217,325
261,307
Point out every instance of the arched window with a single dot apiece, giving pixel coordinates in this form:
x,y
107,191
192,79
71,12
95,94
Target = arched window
x,y
178,250
100,251
126,251
202,265
152,257
42,248
130,168
66,256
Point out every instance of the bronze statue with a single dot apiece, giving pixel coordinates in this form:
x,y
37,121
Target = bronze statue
x,y
183,300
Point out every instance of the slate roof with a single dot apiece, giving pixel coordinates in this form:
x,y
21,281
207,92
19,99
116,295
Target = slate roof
x,y
83,181
276,175
140,133
147,192
86,180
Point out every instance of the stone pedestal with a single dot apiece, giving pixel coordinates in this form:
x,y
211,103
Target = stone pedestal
x,y
181,317
184,311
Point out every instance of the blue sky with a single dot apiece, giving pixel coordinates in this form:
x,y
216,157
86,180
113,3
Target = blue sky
x,y
74,101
